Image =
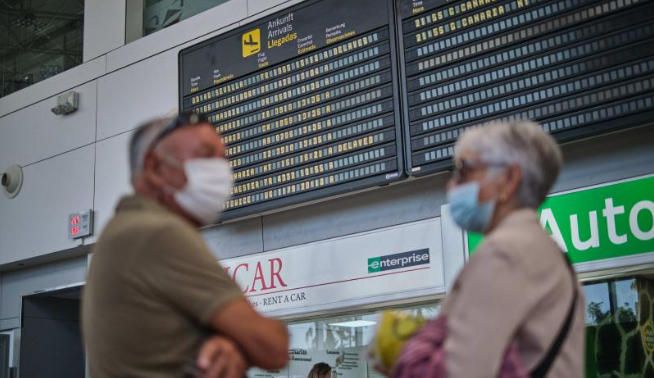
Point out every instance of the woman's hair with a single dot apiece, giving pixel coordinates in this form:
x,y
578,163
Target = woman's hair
x,y
320,370
522,143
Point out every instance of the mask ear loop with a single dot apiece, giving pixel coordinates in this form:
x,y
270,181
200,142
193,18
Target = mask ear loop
x,y
163,190
167,158
167,191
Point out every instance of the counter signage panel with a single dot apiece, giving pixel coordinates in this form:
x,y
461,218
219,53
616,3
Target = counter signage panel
x,y
579,67
305,99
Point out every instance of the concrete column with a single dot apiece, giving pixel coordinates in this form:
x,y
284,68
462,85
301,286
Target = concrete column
x,y
104,27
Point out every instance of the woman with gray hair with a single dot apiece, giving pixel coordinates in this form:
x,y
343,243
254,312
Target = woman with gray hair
x,y
517,288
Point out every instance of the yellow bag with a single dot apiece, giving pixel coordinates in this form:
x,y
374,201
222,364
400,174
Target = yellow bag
x,y
394,330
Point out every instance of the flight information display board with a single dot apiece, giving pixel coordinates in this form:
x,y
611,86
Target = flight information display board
x,y
579,67
306,100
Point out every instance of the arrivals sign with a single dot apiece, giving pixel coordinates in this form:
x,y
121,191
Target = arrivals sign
x,y
602,222
399,262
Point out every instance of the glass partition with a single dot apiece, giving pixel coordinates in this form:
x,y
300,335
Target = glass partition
x,y
38,39
339,341
159,14
620,327
619,335
4,355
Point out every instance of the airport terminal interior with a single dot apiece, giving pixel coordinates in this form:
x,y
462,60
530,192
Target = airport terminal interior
x,y
339,119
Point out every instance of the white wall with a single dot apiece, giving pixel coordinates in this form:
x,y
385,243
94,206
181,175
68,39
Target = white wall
x,y
34,133
53,85
135,93
104,27
79,161
111,178
35,222
14,285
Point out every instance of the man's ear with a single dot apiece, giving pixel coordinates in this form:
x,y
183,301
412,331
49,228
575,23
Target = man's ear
x,y
151,173
151,162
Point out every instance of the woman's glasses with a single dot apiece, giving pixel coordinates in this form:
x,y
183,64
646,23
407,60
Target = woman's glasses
x,y
463,168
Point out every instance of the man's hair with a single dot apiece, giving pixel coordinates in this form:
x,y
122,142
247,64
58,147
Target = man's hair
x,y
522,143
141,141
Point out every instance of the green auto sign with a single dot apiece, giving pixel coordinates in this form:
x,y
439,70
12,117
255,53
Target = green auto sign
x,y
600,223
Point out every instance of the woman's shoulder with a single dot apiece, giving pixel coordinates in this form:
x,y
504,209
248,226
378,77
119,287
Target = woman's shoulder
x,y
490,258
521,239
493,248
529,249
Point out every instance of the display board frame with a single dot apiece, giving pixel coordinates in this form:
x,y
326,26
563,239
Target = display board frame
x,y
342,189
596,128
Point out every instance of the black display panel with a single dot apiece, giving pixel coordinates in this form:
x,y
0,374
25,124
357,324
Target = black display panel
x,y
306,99
579,67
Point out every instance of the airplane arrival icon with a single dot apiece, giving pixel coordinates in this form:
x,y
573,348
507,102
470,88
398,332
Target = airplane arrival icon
x,y
251,42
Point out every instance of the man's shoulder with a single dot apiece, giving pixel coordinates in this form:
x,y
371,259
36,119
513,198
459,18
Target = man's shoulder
x,y
130,227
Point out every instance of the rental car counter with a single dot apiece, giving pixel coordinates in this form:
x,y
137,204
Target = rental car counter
x,y
331,292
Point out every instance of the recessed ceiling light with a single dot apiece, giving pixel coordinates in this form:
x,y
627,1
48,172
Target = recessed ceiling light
x,y
354,324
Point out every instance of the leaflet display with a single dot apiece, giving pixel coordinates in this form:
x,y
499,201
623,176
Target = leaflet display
x,y
579,67
306,100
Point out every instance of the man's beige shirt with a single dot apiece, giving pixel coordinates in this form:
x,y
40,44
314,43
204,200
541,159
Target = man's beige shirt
x,y
516,286
152,288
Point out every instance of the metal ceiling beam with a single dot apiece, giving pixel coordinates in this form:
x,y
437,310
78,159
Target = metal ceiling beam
x,y
11,33
45,51
41,14
42,40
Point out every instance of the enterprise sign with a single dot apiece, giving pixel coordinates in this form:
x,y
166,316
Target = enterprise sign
x,y
398,261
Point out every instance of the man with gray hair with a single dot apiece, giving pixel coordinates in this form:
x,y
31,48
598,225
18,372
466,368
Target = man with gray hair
x,y
156,302
518,288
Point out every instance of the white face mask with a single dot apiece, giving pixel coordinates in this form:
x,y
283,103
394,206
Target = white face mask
x,y
208,186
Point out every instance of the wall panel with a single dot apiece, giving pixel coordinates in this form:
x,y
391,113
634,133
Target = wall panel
x,y
18,283
111,178
35,222
194,27
137,93
57,84
104,27
35,133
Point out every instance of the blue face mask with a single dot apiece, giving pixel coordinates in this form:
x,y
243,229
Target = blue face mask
x,y
466,210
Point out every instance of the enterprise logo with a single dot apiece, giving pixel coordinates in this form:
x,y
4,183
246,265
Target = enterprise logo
x,y
398,261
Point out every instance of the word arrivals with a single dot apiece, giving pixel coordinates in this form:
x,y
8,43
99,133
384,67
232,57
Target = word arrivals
x,y
280,25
